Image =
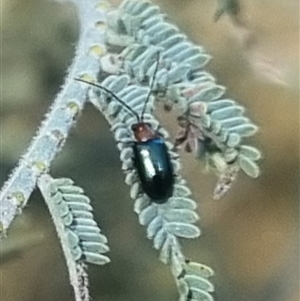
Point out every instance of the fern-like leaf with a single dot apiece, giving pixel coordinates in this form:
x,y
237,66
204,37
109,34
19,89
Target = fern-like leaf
x,y
81,238
165,222
214,127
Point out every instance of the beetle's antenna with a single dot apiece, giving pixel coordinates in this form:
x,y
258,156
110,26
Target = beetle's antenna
x,y
112,94
151,87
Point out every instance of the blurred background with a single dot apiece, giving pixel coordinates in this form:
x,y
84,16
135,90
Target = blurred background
x,y
250,238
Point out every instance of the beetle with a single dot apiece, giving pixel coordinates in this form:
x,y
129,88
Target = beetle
x,y
151,157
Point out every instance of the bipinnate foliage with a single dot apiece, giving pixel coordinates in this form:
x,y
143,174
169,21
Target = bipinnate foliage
x,y
122,48
211,127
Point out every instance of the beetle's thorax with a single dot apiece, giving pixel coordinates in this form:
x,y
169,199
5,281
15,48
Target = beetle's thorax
x,y
143,132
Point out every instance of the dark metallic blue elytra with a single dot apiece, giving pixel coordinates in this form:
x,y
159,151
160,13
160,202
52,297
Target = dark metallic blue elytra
x,y
154,167
151,157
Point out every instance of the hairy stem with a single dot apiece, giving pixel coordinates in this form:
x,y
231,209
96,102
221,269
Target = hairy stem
x,y
61,117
